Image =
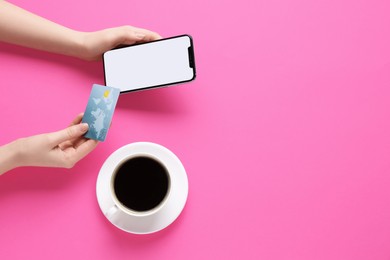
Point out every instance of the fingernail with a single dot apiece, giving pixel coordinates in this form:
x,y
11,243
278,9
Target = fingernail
x,y
140,35
84,127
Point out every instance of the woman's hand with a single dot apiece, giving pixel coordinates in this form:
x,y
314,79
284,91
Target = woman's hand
x,y
21,27
96,43
63,148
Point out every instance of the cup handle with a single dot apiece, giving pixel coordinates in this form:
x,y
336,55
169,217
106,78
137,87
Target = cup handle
x,y
111,212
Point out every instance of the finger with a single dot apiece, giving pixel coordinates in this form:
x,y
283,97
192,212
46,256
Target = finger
x,y
65,145
79,142
77,119
74,143
149,35
131,35
85,148
68,133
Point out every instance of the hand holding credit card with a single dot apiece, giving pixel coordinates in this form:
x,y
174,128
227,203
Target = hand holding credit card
x,y
99,111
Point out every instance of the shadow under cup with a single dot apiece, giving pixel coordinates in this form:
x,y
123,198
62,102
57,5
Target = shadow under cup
x,y
140,183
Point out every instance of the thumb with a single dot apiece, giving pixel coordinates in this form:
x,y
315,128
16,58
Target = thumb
x,y
68,133
126,35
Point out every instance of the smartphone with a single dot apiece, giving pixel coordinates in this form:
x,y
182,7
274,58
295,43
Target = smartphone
x,y
150,65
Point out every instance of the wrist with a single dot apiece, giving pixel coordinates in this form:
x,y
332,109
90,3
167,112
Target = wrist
x,y
10,156
77,46
89,44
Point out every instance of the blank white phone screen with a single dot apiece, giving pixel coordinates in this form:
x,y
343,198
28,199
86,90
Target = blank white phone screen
x,y
147,65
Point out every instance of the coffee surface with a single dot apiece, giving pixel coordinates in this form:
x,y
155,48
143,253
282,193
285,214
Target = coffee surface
x,y
141,183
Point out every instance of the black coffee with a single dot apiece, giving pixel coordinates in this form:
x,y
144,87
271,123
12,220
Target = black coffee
x,y
141,183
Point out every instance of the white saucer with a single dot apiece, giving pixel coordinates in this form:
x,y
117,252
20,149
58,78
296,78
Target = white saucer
x,y
174,204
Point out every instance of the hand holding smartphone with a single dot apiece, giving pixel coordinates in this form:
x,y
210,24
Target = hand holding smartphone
x,y
150,65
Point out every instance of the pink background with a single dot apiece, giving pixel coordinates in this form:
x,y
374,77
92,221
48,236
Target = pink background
x,y
285,134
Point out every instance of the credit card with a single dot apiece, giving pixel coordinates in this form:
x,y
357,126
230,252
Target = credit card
x,y
99,111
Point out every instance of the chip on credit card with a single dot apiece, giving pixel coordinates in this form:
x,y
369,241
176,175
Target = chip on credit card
x,y
99,111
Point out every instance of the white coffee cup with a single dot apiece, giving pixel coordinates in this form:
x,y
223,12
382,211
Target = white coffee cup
x,y
119,201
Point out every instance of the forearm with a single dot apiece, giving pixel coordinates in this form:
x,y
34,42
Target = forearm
x,y
18,26
9,157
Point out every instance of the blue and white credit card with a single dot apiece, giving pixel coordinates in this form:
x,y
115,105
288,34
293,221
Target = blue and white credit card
x,y
99,111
